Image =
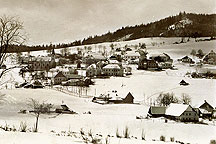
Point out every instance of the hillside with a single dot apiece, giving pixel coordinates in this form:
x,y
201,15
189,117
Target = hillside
x,y
183,24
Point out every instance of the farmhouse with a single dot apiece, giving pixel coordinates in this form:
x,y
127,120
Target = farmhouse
x,y
206,110
187,59
131,55
210,58
181,112
59,78
42,63
112,70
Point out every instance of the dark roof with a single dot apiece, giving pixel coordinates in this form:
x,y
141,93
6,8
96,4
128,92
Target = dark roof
x,y
129,94
157,110
186,57
183,81
60,74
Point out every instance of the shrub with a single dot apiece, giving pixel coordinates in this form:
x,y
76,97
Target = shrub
x,y
126,132
23,126
143,135
212,141
172,139
117,133
162,138
6,127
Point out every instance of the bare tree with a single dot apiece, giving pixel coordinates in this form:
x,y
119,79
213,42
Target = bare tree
x,y
38,109
11,33
166,99
185,98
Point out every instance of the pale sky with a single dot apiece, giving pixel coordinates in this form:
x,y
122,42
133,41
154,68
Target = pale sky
x,y
67,20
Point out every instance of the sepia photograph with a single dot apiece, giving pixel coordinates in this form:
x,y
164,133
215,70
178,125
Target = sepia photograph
x,y
107,71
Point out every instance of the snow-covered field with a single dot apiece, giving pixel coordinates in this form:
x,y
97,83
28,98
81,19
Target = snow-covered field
x,y
106,119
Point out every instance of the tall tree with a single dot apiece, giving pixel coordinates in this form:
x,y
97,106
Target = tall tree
x,y
11,34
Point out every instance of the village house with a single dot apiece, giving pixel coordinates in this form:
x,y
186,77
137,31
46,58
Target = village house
x,y
112,70
210,58
205,109
160,57
93,70
181,112
42,63
131,55
113,97
187,59
59,78
93,58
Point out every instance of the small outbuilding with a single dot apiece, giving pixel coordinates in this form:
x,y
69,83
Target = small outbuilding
x,y
157,111
184,83
129,98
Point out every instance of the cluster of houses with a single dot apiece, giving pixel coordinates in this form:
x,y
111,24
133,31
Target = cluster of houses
x,y
155,61
184,112
209,58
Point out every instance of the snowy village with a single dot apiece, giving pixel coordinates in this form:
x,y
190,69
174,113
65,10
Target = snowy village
x,y
122,87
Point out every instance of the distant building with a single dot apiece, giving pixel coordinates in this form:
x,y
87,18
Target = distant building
x,y
129,98
181,112
206,109
59,78
187,59
157,111
42,63
112,70
131,55
210,58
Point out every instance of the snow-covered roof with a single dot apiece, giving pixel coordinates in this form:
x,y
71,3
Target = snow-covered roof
x,y
176,109
113,61
92,66
112,66
132,53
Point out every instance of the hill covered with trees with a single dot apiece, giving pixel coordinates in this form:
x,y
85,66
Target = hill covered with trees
x,y
181,25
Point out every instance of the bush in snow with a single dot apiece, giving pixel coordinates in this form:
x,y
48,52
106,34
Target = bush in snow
x,y
162,138
126,132
143,135
23,126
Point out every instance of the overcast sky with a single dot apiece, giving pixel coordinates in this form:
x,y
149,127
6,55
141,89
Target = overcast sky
x,y
67,20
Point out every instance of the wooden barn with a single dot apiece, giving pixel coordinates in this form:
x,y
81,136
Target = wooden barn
x,y
157,111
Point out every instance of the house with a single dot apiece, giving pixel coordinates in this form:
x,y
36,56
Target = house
x,y
93,70
42,63
112,70
157,111
132,55
91,58
183,82
129,98
152,64
181,112
160,57
165,65
206,110
187,59
59,78
210,58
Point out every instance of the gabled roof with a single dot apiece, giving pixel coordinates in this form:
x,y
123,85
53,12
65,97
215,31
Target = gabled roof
x,y
176,109
157,110
112,66
60,74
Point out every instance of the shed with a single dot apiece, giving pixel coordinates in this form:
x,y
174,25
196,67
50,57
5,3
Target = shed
x,y
157,111
129,98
